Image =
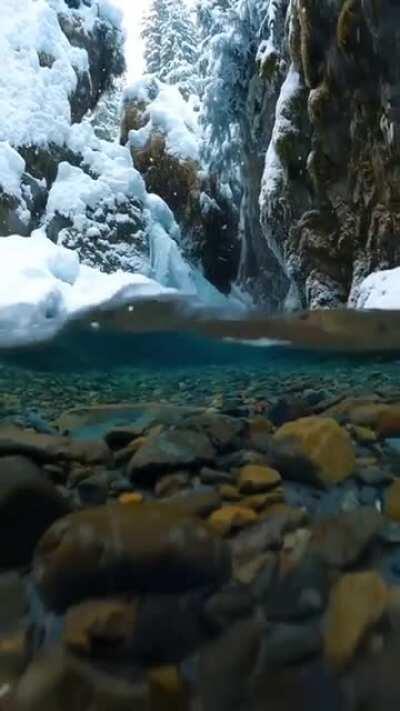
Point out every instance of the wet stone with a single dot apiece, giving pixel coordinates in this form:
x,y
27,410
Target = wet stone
x,y
340,541
290,643
28,506
169,450
120,548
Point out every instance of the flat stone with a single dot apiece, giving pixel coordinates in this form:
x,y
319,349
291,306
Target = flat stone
x,y
357,603
131,497
363,435
231,518
170,450
254,479
213,476
171,484
100,420
45,448
228,492
327,445
154,547
196,503
258,502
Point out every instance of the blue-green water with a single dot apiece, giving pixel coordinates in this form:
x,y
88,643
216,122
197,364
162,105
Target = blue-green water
x,y
89,367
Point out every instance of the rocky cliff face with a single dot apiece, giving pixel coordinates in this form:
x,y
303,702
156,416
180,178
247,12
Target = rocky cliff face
x,y
313,92
330,190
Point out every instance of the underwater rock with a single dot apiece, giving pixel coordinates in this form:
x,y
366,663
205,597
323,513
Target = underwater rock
x,y
13,599
325,443
231,518
356,604
254,479
290,643
101,627
118,548
213,476
232,602
49,448
167,450
299,593
221,429
58,681
392,501
171,484
28,506
154,629
167,689
341,540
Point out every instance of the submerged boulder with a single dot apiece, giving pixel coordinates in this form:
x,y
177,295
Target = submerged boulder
x,y
118,548
29,504
327,445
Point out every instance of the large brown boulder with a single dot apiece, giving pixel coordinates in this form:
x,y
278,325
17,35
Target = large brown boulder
x,y
327,445
117,548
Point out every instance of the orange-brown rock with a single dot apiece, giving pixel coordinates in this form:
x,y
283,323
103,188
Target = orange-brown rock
x,y
388,423
231,518
130,498
256,479
100,626
258,502
356,604
363,435
259,431
228,492
392,501
168,692
327,445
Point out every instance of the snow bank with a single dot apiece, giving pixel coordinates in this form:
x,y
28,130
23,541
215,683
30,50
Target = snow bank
x,y
380,290
167,113
43,286
40,68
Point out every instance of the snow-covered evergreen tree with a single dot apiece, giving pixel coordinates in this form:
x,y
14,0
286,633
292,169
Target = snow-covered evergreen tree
x,y
106,118
152,32
171,45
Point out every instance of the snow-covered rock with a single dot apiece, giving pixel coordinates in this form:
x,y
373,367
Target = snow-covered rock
x,y
164,112
380,290
55,62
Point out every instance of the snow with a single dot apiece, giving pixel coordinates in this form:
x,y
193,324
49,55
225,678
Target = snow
x,y
43,286
167,113
274,172
35,99
380,290
12,167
